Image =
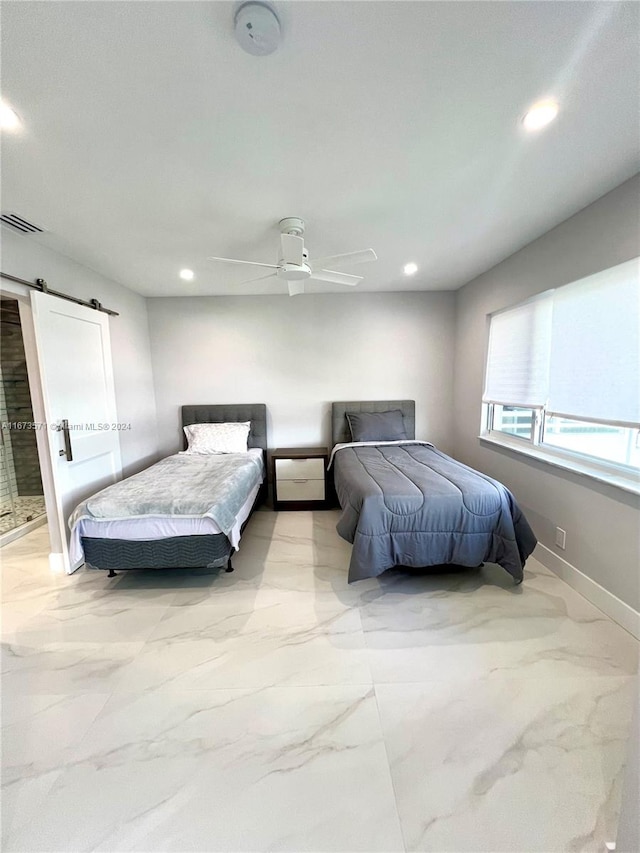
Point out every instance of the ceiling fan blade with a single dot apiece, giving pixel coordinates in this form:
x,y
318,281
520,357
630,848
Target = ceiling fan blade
x,y
292,247
336,277
260,278
295,287
362,257
248,263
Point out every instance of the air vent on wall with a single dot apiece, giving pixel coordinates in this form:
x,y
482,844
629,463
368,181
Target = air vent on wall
x,y
18,223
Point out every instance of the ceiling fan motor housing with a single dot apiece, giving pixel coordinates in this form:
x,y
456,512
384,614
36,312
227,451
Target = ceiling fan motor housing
x,y
292,225
293,272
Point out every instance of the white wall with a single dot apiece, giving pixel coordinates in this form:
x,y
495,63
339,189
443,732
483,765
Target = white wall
x,y
298,354
24,257
602,522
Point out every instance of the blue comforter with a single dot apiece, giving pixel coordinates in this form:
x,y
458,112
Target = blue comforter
x,y
411,505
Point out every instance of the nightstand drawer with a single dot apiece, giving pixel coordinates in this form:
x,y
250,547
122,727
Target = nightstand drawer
x,y
300,469
300,490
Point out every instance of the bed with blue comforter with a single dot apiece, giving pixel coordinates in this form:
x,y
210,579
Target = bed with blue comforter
x,y
405,503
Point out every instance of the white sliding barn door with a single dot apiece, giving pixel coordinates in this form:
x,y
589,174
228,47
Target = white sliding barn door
x,y
74,356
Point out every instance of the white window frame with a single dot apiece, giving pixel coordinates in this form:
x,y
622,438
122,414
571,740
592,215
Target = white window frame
x,y
534,438
623,476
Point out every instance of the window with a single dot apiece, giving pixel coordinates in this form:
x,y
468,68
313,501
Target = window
x,y
563,370
616,444
513,420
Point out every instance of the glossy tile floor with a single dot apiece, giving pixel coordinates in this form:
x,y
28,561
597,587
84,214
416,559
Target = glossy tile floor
x,y
277,708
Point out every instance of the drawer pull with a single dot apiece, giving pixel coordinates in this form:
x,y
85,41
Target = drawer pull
x,y
301,481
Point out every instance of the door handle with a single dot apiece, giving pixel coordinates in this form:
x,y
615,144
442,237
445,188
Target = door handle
x,y
66,435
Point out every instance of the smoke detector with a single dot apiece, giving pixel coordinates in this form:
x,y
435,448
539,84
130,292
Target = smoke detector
x,y
257,28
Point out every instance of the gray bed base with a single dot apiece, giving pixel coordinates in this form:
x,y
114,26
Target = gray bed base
x,y
184,552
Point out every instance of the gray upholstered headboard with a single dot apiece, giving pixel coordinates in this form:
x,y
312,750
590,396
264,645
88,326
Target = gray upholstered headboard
x,y
231,413
340,426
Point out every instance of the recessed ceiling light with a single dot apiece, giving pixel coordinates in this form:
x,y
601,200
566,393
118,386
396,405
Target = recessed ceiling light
x,y
9,119
187,275
410,269
540,115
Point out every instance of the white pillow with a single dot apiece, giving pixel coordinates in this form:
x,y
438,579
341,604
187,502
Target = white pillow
x,y
217,438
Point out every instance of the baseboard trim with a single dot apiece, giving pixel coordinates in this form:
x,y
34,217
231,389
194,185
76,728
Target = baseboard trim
x,y
57,562
606,601
22,530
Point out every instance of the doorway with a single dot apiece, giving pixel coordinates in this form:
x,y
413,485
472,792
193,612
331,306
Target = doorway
x,y
22,505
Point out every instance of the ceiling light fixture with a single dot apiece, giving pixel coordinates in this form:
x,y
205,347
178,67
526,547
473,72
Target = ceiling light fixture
x,y
9,119
187,275
410,269
540,115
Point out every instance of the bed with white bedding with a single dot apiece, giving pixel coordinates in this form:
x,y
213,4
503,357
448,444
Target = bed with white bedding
x,y
186,511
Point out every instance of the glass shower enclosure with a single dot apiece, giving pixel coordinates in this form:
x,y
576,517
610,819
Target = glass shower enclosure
x,y
21,493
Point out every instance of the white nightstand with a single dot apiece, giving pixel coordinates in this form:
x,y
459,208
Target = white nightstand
x,y
299,477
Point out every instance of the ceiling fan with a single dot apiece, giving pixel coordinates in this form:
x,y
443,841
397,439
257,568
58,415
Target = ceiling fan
x,y
294,265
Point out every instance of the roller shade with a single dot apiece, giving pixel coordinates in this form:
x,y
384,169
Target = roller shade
x,y
518,358
595,347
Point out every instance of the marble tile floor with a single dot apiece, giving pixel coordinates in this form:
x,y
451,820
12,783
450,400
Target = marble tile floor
x,y
278,708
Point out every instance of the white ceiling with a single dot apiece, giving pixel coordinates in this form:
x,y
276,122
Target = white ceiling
x,y
151,140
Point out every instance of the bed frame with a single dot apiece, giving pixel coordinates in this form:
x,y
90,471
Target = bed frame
x,y
208,551
340,432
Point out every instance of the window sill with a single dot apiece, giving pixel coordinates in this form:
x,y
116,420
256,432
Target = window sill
x,y
627,484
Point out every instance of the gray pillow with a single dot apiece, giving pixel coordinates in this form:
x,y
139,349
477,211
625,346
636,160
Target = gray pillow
x,y
377,426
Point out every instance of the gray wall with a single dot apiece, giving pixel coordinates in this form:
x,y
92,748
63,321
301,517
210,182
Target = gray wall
x,y
297,354
602,522
22,256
